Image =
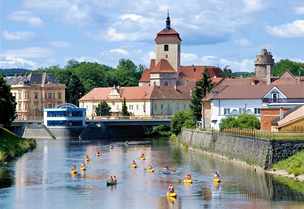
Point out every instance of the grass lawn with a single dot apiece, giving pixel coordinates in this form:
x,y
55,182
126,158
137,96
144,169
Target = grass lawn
x,y
294,164
12,146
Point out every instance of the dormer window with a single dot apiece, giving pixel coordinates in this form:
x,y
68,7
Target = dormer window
x,y
275,97
166,47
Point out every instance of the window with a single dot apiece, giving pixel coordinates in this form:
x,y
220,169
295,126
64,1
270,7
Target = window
x,y
257,111
130,107
49,95
137,107
35,95
166,47
26,95
59,95
161,106
274,97
19,106
226,111
166,83
234,112
19,95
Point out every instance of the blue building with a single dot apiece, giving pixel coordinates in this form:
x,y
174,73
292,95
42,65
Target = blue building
x,y
65,115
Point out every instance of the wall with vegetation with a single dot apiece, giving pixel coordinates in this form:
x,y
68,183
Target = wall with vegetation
x,y
257,152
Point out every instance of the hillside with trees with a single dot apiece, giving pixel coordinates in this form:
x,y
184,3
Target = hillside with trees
x,y
296,68
81,77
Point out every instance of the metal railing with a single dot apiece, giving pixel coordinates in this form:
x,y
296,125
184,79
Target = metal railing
x,y
260,134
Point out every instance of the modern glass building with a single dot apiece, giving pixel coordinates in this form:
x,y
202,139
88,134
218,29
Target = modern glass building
x,y
65,115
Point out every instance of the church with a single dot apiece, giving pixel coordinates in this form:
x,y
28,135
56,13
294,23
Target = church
x,y
164,88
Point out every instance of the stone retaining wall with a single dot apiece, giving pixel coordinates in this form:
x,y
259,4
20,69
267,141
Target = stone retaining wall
x,y
257,152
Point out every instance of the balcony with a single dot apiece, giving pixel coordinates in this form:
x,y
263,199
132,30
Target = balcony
x,y
282,100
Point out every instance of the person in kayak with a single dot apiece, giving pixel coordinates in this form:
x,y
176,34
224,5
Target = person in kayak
x,y
114,180
217,175
171,188
188,177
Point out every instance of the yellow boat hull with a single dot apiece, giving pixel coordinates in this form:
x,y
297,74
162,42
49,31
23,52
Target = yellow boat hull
x,y
150,170
73,173
142,158
171,194
187,181
133,166
216,180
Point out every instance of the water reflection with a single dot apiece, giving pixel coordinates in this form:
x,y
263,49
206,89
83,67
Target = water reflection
x,y
42,176
6,177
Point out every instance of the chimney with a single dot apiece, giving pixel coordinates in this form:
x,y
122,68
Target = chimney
x,y
152,63
268,74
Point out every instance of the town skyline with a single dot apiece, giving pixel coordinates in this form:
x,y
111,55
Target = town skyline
x,y
36,34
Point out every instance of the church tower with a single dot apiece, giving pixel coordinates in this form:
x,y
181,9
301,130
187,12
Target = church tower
x,y
168,44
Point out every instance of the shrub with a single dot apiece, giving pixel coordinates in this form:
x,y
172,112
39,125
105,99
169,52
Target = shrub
x,y
182,119
243,121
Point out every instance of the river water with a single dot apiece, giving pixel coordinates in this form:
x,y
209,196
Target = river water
x,y
41,180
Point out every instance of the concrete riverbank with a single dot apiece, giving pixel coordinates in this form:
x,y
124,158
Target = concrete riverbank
x,y
255,152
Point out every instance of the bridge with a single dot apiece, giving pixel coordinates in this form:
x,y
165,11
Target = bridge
x,y
95,129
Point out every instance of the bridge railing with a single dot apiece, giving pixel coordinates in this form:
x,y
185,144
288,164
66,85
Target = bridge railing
x,y
132,117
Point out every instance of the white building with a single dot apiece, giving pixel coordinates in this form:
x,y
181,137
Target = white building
x,y
234,96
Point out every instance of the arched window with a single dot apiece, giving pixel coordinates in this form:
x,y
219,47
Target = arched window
x,y
166,47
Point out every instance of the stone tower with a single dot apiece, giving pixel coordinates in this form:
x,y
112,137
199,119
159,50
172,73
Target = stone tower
x,y
263,66
168,45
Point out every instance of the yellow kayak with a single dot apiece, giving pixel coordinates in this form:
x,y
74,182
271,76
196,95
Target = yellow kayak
x,y
142,158
187,181
133,166
216,180
171,194
73,172
149,170
83,168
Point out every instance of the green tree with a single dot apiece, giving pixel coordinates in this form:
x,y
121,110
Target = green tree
x,y
74,90
103,109
124,110
243,121
296,68
182,119
201,89
7,104
227,72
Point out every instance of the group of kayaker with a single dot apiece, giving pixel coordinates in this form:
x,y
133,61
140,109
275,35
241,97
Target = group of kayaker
x,y
83,166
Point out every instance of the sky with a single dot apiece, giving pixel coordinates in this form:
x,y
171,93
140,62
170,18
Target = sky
x,y
41,33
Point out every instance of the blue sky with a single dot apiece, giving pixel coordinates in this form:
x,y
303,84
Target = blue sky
x,y
36,33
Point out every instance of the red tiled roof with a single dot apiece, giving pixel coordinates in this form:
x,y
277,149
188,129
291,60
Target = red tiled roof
x,y
145,76
249,88
190,73
168,36
163,66
129,93
194,73
139,93
170,92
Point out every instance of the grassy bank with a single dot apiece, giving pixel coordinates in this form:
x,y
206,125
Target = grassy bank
x,y
12,146
293,165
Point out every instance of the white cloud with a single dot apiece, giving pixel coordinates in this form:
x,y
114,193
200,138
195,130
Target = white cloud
x,y
299,9
188,57
254,5
26,17
243,42
59,44
294,29
16,62
29,53
71,11
119,51
18,35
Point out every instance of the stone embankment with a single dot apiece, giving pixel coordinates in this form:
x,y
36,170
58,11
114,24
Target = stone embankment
x,y
256,152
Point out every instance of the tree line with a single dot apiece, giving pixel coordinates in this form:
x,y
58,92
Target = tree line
x,y
81,77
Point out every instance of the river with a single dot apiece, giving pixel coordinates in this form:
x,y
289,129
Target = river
x,y
41,180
